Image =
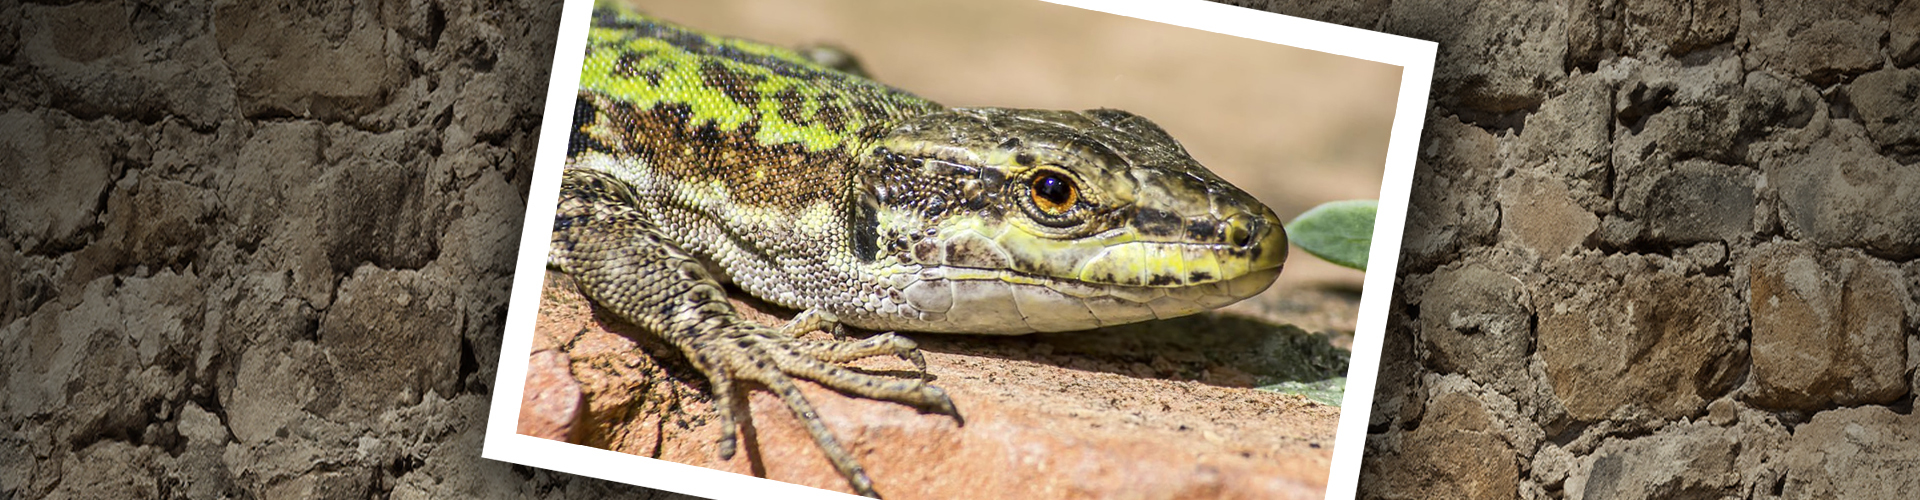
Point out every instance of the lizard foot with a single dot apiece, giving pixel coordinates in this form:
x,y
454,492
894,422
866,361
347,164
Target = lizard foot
x,y
749,352
814,320
845,347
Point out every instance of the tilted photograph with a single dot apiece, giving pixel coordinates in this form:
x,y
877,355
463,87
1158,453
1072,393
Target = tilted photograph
x,y
938,250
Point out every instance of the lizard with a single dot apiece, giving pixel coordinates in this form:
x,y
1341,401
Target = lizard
x,y
697,161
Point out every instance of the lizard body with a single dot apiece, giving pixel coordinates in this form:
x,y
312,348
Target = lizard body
x,y
697,160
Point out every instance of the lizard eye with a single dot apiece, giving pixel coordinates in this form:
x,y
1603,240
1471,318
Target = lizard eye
x,y
1054,193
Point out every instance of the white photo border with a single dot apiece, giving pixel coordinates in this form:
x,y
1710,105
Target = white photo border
x,y
1414,57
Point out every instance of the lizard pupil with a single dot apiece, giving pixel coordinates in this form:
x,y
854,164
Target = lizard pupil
x,y
1053,193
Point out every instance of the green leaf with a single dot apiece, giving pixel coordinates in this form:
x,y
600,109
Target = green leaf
x,y
1327,392
1340,232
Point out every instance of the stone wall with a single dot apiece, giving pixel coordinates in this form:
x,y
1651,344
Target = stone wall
x,y
1656,250
261,249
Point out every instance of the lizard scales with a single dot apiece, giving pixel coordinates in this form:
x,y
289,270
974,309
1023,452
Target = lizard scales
x,y
697,160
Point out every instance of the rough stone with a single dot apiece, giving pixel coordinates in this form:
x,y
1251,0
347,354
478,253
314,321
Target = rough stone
x,y
1820,44
1708,140
57,172
200,427
134,63
78,369
199,466
473,243
9,30
1669,114
379,212
1654,27
1541,404
1397,391
160,223
110,469
1456,162
1699,201
1867,452
477,246
454,469
480,111
169,326
1540,214
1654,342
1592,34
1695,461
278,388
1478,325
299,60
1457,449
1494,57
1551,465
1828,328
272,177
171,310
1704,256
13,295
1903,41
1569,139
1841,193
293,467
1772,103
1889,105
553,404
393,336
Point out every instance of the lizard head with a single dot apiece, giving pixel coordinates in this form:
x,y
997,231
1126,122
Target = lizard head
x,y
1014,221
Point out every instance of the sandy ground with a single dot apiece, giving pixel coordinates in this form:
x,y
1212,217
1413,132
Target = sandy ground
x,y
1162,409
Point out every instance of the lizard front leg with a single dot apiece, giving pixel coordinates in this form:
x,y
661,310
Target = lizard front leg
x,y
624,265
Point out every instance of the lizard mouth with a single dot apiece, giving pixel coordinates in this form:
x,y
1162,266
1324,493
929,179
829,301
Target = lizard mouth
x,y
1094,285
990,301
996,280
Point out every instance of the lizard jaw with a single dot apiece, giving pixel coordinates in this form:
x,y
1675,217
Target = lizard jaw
x,y
999,302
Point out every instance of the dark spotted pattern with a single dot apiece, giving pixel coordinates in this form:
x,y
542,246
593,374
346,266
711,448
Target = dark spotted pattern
x,y
736,84
679,147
